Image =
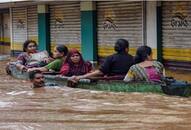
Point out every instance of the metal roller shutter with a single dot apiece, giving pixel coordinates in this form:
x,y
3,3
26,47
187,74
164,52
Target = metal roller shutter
x,y
119,19
24,25
65,24
1,27
176,33
6,28
6,33
19,19
32,22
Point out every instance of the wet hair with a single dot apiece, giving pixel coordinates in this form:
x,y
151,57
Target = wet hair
x,y
26,43
142,53
121,45
33,73
62,49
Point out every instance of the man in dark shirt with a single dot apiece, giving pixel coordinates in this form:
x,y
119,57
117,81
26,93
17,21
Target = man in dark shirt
x,y
116,64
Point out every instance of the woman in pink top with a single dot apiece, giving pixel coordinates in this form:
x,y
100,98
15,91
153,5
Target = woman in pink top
x,y
145,68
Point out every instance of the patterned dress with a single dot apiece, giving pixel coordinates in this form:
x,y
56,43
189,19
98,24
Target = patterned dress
x,y
28,61
149,74
33,60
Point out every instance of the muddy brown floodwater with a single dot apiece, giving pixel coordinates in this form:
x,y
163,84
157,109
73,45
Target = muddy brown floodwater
x,y
63,108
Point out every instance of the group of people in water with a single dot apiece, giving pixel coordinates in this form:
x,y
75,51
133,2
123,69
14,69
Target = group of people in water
x,y
70,63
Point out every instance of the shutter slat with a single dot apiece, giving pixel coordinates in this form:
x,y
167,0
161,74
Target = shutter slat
x,y
127,19
69,31
176,37
19,19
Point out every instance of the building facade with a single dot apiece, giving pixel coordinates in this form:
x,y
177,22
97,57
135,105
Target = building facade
x,y
93,27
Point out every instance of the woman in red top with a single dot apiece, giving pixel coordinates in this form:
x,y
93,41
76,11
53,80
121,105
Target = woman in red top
x,y
75,65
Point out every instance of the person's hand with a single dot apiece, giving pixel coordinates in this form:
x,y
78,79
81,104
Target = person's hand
x,y
71,83
22,68
73,79
47,60
31,69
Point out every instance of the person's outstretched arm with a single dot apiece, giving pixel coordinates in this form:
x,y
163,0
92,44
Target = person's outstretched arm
x,y
42,69
88,75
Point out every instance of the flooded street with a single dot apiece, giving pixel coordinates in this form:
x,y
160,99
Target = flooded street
x,y
63,108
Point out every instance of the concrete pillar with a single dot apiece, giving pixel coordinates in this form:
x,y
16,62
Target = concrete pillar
x,y
151,18
88,31
43,28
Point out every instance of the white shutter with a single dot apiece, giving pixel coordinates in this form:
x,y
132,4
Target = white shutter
x,y
176,28
176,33
65,23
32,22
19,19
119,19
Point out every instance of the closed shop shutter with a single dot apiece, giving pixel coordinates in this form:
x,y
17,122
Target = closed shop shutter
x,y
6,34
176,33
65,24
119,19
24,25
32,23
1,27
19,26
6,28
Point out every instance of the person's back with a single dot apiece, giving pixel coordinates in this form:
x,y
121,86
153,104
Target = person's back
x,y
117,64
146,69
152,72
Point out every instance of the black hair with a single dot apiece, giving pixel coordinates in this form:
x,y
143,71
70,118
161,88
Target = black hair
x,y
33,73
121,45
142,53
26,43
62,49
